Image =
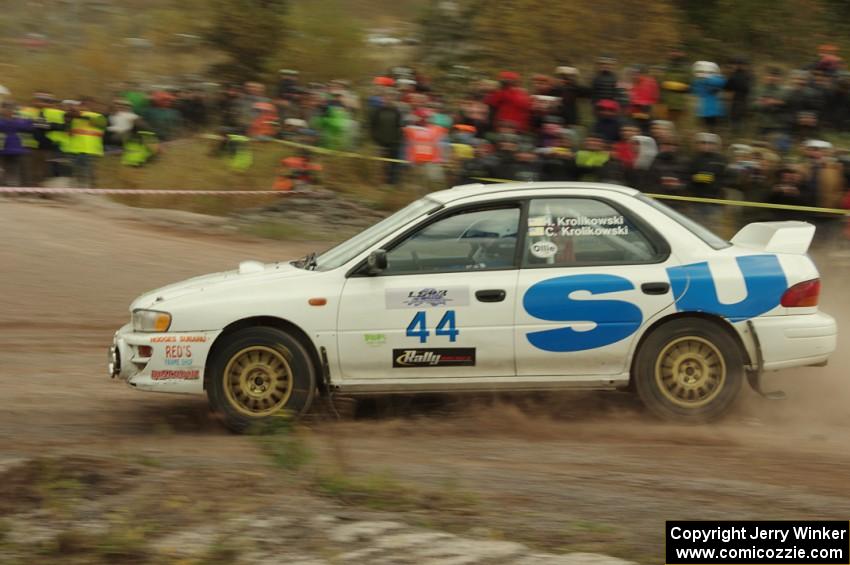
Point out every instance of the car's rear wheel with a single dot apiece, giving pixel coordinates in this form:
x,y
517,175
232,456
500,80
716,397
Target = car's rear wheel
x,y
689,370
260,373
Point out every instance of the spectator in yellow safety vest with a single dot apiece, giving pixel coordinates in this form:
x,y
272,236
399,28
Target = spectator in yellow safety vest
x,y
53,141
86,141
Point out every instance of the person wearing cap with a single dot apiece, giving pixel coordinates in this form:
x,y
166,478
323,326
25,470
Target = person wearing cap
x,y
646,150
569,90
707,176
662,129
604,84
624,150
335,124
828,60
799,99
594,162
823,175
424,142
266,124
788,190
86,129
473,112
675,86
526,165
643,97
608,123
121,121
840,119
140,145
386,125
707,85
287,85
739,84
52,135
832,104
482,165
35,160
510,102
669,170
769,104
558,161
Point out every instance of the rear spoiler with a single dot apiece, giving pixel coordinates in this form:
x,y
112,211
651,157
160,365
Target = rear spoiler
x,y
776,237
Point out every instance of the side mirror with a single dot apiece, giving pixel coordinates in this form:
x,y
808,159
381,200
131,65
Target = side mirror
x,y
377,261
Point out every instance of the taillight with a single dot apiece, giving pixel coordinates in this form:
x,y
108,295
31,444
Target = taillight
x,y
802,294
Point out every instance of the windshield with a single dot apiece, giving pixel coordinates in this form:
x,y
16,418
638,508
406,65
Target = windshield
x,y
697,229
347,250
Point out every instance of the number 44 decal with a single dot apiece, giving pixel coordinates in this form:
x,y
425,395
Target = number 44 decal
x,y
418,327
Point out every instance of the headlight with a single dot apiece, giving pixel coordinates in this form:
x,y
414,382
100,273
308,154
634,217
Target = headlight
x,y
151,321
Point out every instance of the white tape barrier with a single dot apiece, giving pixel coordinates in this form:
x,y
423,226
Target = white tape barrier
x,y
39,190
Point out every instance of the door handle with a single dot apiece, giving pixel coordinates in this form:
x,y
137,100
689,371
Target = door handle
x,y
655,287
494,295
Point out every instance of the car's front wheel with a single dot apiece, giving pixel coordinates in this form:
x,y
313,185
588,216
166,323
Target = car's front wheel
x,y
257,374
689,370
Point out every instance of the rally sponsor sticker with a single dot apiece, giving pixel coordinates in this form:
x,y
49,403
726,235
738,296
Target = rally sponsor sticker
x,y
176,375
427,297
543,249
375,340
438,357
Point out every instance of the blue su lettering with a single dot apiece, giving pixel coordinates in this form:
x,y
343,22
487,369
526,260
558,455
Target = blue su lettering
x,y
695,289
550,300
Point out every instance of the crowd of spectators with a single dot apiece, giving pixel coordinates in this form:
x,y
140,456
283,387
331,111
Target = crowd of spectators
x,y
688,128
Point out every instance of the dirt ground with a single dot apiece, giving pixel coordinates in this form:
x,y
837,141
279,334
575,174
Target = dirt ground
x,y
571,472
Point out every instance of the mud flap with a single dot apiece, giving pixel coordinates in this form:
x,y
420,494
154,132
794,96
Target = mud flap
x,y
754,376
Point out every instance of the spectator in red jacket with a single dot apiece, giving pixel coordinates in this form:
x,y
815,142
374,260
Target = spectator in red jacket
x,y
643,96
510,103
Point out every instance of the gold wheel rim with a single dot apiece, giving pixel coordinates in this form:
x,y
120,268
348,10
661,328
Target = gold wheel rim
x,y
690,372
258,381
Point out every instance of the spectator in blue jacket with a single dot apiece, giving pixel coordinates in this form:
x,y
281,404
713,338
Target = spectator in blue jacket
x,y
707,85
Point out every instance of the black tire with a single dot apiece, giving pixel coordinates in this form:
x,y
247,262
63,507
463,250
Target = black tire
x,y
689,370
242,408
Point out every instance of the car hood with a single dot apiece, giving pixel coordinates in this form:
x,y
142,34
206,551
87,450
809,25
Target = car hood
x,y
247,271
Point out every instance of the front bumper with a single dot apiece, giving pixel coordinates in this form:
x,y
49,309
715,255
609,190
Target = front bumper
x,y
796,340
166,362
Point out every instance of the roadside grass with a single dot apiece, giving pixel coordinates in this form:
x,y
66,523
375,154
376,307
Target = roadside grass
x,y
124,542
283,444
190,164
376,490
287,448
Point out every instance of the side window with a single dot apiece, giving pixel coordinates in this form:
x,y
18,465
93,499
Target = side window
x,y
565,232
473,240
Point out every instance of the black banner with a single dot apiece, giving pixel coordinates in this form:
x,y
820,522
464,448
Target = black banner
x,y
439,357
758,542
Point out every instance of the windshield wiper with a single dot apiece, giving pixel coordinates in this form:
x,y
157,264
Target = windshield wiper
x,y
310,261
307,262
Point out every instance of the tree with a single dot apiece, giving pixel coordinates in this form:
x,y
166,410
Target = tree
x,y
324,46
248,32
538,35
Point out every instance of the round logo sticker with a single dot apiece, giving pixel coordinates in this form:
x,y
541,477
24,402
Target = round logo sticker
x,y
543,249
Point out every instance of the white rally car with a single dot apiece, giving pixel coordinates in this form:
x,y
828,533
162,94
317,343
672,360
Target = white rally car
x,y
500,287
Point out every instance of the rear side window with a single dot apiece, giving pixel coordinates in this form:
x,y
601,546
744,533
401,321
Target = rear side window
x,y
699,230
567,232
